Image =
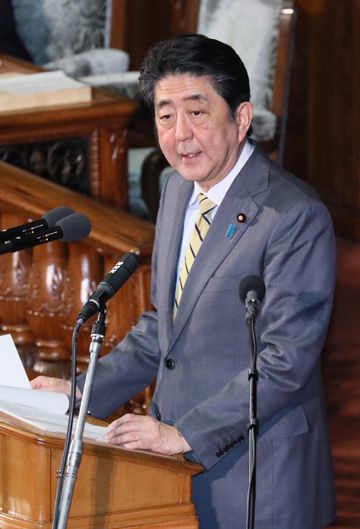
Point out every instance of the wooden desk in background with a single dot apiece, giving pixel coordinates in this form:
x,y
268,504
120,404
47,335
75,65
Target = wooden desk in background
x,y
81,146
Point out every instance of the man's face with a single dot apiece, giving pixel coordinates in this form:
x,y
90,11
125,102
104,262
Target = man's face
x,y
196,132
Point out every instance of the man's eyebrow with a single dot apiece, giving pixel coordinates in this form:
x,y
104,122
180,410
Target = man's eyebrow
x,y
196,97
193,97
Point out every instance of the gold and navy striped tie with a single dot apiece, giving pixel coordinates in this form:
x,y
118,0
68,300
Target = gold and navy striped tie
x,y
200,230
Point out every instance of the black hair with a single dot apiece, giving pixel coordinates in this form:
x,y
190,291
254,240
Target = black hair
x,y
196,55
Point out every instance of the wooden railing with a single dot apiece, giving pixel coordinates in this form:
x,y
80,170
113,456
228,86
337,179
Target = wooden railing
x,y
42,289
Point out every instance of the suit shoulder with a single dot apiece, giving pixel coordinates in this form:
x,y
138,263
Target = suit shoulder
x,y
264,178
287,190
281,192
288,178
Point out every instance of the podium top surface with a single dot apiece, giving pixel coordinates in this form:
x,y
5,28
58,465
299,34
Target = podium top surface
x,y
13,426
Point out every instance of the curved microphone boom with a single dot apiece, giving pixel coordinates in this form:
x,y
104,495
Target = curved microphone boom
x,y
48,220
252,292
106,289
71,228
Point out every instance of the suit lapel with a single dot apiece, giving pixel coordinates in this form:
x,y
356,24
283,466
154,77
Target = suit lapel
x,y
172,229
252,180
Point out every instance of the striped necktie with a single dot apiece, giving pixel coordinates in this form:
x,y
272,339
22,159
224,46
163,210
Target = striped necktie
x,y
200,230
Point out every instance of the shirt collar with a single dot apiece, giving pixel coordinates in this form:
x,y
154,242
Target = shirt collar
x,y
219,190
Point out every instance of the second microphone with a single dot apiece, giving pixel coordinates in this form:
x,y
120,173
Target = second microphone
x,y
108,287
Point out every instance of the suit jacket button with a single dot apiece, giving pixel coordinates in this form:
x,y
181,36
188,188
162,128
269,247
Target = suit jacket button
x,y
240,439
170,363
158,416
219,452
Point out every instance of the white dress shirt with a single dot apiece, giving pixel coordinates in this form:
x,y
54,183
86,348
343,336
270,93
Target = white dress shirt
x,y
215,194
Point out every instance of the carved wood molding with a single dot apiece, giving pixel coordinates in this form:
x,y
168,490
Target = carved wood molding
x,y
65,162
43,289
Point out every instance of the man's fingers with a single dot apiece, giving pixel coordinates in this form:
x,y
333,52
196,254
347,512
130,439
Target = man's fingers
x,y
131,426
52,384
130,418
121,438
138,432
40,382
133,431
131,423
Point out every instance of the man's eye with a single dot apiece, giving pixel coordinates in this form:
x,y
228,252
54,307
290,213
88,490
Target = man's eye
x,y
196,112
165,117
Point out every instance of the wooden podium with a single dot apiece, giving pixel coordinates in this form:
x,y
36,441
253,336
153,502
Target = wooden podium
x,y
115,488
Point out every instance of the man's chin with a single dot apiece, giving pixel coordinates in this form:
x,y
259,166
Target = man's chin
x,y
192,176
191,172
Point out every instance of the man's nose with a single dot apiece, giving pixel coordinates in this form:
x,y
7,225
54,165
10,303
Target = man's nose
x,y
183,130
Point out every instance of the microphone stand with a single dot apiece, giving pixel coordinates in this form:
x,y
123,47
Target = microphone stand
x,y
253,422
76,449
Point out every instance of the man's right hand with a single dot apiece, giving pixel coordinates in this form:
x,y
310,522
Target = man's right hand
x,y
54,384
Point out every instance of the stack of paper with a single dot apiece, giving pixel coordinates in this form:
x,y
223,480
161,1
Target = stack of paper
x,y
45,410
19,92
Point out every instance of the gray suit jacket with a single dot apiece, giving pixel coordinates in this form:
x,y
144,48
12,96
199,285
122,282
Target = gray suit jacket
x,y
201,360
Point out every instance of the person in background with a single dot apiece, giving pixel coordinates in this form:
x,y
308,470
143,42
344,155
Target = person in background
x,y
227,212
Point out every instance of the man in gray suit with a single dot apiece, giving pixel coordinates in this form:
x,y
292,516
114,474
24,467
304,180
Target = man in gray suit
x,y
260,220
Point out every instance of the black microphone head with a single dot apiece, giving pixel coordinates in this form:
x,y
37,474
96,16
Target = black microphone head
x,y
249,283
117,276
75,227
54,215
121,271
129,261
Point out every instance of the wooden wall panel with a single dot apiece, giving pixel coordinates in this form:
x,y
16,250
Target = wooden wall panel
x,y
323,145
137,24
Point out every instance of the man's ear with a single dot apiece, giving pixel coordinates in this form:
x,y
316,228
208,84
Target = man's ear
x,y
243,116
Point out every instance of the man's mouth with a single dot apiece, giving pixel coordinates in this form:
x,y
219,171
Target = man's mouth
x,y
190,155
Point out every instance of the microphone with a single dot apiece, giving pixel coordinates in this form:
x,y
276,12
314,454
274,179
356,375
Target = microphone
x,y
106,289
71,228
37,226
252,292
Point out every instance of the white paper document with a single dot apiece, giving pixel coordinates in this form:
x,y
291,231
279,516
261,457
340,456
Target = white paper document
x,y
49,422
40,90
46,401
12,372
45,410
38,82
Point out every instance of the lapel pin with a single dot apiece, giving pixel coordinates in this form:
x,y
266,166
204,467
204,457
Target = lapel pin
x,y
230,231
241,217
